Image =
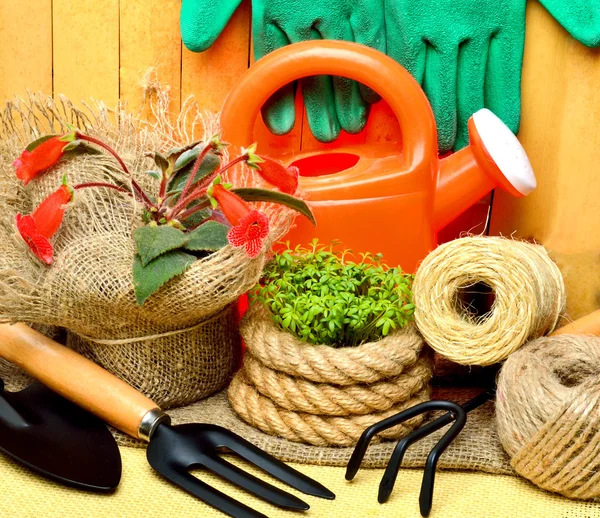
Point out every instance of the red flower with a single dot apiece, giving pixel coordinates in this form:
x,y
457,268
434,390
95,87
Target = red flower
x,y
37,229
250,232
274,172
44,156
250,227
39,244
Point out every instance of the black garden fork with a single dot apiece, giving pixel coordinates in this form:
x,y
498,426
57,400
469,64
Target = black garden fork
x,y
172,450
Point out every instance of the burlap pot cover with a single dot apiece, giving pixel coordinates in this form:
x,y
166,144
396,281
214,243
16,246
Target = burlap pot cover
x,y
176,347
177,368
321,395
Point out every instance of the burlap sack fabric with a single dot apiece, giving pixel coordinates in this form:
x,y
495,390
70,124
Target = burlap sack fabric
x,y
181,344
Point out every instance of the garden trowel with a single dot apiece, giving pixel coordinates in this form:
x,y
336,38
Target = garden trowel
x,y
52,436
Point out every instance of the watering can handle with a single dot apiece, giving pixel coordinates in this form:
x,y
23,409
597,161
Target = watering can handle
x,y
372,68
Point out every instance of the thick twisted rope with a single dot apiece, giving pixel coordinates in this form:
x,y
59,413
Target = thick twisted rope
x,y
548,414
367,363
260,412
299,395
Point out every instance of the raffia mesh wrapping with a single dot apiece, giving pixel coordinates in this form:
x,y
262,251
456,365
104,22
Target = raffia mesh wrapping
x,y
323,396
183,327
548,414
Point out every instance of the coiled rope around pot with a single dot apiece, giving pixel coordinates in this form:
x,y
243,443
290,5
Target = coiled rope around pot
x,y
367,363
260,412
299,395
324,396
548,414
528,289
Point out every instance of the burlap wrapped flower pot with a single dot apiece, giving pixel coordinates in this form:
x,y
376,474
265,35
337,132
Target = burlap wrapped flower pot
x,y
182,343
325,396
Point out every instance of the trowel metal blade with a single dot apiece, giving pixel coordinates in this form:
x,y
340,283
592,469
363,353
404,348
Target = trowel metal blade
x,y
54,437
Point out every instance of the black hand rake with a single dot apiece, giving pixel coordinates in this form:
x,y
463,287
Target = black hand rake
x,y
456,413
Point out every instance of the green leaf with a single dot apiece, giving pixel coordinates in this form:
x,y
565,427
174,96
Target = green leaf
x,y
161,161
72,145
196,219
252,194
154,174
181,174
152,241
83,148
211,235
149,278
186,158
175,152
32,145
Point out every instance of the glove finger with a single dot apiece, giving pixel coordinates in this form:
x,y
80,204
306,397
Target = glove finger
x,y
439,84
279,112
368,25
350,107
581,18
402,45
502,88
317,92
472,61
202,21
320,107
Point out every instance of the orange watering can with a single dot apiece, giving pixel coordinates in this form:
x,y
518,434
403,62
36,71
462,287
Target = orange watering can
x,y
390,198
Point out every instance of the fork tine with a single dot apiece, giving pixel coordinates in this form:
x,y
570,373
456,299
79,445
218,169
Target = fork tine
x,y
252,484
273,466
210,495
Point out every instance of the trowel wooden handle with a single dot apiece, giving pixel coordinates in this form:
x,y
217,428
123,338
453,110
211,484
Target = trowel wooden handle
x,y
588,325
75,378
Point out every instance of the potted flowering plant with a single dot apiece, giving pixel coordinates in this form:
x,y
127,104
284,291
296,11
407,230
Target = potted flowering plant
x,y
331,348
142,254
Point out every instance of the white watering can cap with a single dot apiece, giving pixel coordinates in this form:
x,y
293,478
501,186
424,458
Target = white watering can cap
x,y
505,150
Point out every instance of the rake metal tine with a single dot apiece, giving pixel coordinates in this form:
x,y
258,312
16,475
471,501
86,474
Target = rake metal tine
x,y
252,484
426,496
391,472
366,437
273,466
210,495
388,480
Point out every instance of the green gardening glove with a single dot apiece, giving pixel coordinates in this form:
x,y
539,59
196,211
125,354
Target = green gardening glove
x,y
331,103
468,54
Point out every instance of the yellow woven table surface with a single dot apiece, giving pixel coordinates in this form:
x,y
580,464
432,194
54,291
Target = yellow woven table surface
x,y
142,492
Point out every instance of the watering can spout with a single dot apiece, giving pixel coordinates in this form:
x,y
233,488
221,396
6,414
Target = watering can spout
x,y
494,158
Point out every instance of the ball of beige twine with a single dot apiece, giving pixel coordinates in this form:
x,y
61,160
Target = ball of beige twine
x,y
528,289
548,414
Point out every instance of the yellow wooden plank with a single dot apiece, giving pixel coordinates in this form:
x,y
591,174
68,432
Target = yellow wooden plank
x,y
25,47
86,49
150,49
560,130
210,75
